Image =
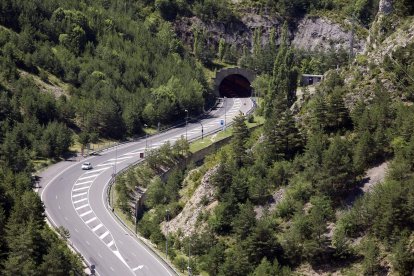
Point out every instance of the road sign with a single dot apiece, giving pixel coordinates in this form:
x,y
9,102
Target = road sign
x,y
222,122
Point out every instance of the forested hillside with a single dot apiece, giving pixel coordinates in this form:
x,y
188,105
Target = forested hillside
x,y
105,69
96,69
291,198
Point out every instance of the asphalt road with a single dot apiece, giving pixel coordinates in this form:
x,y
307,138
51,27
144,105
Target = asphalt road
x,y
76,200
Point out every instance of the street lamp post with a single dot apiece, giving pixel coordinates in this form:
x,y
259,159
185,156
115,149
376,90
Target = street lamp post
x,y
225,112
186,123
202,130
146,137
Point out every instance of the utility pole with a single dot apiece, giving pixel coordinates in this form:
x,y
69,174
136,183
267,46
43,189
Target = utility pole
x,y
202,130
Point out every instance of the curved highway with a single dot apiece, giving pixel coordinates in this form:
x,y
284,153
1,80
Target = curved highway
x,y
76,199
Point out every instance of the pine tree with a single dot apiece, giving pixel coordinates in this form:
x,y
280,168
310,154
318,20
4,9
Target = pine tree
x,y
221,49
264,268
240,135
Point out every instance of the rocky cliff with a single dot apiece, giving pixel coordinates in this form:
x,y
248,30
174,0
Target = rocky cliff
x,y
309,33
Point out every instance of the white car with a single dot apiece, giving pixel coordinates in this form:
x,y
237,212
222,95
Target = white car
x,y
86,166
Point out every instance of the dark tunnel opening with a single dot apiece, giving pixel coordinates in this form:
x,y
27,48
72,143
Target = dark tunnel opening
x,y
235,86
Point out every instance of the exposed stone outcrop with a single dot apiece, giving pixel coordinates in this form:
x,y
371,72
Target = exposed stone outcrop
x,y
203,199
320,34
312,33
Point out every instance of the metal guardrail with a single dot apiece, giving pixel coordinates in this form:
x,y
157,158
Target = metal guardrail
x,y
113,178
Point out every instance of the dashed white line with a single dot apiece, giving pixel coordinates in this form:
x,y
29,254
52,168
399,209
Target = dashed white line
x,y
86,213
104,235
90,220
80,207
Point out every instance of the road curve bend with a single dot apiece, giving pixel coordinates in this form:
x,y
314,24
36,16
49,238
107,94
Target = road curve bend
x,y
76,199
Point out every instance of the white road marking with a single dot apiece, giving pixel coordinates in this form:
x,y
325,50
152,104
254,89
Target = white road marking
x,y
97,227
111,268
59,207
120,158
87,243
81,188
80,200
86,213
56,197
100,256
97,170
90,220
81,194
89,176
66,219
138,267
76,230
80,207
104,235
110,243
108,164
82,183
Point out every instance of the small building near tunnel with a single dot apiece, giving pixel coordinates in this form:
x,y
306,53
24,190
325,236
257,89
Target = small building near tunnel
x,y
234,82
308,79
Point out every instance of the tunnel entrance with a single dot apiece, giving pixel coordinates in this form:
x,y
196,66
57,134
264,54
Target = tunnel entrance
x,y
235,86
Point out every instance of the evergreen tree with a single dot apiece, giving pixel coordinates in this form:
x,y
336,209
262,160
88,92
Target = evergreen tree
x,y
240,135
264,268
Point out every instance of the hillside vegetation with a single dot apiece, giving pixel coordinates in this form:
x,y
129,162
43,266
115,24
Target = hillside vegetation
x,y
105,69
317,160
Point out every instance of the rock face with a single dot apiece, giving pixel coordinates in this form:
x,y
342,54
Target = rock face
x,y
239,33
385,6
311,33
320,34
202,199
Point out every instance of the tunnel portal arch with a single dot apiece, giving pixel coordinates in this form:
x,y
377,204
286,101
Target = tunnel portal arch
x,y
234,82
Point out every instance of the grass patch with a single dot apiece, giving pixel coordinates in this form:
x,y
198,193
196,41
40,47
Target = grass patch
x,y
213,138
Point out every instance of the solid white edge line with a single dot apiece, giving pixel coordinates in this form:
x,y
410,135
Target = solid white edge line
x,y
125,231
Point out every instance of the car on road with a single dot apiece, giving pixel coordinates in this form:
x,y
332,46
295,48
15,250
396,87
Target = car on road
x,y
87,166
